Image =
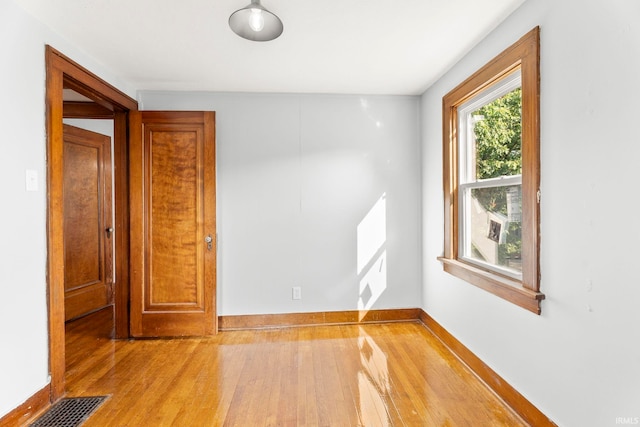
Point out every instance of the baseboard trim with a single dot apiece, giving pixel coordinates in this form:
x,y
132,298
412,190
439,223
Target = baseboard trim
x,y
516,401
265,321
28,410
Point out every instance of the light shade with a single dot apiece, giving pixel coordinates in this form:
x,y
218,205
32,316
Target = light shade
x,y
254,22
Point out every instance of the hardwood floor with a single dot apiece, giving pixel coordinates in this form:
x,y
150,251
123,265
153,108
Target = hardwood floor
x,y
393,374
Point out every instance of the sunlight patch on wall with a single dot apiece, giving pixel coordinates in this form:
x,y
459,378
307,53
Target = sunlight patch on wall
x,y
372,254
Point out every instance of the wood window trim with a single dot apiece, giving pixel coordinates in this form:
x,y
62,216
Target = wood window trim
x,y
524,55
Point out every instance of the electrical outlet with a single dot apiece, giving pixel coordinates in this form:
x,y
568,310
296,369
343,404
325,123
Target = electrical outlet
x,y
296,292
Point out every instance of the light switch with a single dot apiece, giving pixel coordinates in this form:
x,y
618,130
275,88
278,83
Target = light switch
x,y
31,177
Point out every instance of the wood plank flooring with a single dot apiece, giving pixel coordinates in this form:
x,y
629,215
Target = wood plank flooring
x,y
393,374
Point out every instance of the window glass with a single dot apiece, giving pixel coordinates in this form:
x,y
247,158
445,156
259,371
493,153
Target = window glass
x,y
491,179
493,228
497,130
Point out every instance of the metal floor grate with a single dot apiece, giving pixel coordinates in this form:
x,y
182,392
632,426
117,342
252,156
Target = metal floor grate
x,y
70,412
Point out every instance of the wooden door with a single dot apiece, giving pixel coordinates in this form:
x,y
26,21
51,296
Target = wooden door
x,y
88,246
173,227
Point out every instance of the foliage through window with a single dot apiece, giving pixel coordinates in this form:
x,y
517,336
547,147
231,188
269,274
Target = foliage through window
x,y
492,174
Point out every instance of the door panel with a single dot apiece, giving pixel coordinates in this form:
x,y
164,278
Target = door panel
x,y
173,268
87,215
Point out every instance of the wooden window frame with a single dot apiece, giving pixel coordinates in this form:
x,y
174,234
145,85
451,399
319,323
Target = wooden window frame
x,y
525,56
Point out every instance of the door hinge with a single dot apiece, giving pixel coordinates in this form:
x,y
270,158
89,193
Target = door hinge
x,y
538,196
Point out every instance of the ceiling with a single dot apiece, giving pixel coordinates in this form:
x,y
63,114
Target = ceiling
x,y
397,47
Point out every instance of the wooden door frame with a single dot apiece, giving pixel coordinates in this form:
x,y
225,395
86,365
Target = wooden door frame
x,y
62,72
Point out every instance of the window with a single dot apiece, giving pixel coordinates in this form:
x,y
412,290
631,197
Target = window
x,y
492,176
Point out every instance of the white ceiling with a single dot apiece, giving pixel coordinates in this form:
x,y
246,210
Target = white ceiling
x,y
328,46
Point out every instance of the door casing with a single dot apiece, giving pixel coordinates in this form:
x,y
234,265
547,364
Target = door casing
x,y
62,72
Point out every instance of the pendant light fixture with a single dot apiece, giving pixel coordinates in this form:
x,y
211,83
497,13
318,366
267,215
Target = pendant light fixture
x,y
254,22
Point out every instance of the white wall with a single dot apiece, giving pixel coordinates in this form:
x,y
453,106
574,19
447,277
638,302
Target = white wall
x,y
23,313
579,362
23,304
298,179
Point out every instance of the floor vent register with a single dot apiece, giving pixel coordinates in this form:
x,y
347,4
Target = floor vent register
x,y
69,412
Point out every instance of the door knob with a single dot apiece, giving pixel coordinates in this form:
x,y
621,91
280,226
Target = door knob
x,y
208,241
109,230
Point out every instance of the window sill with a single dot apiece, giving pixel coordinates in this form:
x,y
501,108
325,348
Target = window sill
x,y
503,287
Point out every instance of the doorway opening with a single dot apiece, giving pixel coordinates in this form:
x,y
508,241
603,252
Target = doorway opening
x,y
105,101
88,215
